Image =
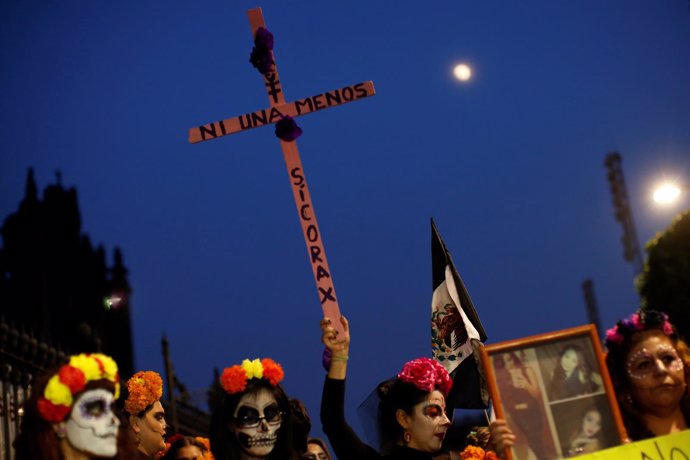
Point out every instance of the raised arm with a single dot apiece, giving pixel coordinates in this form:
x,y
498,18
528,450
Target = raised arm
x,y
344,441
338,346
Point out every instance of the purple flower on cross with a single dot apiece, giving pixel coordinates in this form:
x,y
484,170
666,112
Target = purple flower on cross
x,y
287,130
263,38
261,57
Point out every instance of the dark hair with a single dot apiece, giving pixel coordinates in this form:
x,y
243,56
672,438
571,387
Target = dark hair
x,y
225,446
179,441
322,444
37,439
581,359
558,378
616,362
393,395
301,424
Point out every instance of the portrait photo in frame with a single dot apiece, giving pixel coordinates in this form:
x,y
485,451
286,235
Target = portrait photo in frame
x,y
555,394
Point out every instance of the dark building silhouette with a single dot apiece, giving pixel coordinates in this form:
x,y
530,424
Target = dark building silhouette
x,y
56,286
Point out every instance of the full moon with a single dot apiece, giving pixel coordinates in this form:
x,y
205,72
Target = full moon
x,y
462,72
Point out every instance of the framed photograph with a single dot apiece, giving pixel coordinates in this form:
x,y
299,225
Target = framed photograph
x,y
554,392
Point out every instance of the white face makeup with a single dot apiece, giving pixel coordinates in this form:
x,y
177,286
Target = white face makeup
x,y
92,426
257,420
428,423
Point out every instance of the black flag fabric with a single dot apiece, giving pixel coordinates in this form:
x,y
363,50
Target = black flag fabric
x,y
457,333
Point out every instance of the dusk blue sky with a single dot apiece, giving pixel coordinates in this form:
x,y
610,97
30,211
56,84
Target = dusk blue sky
x,y
510,164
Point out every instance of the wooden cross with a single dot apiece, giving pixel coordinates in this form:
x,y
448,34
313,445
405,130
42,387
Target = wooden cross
x,y
279,109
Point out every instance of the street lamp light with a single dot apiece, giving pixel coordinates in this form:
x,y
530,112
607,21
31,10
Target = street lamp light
x,y
668,193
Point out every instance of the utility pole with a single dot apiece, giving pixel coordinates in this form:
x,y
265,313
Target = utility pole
x,y
623,213
170,386
591,302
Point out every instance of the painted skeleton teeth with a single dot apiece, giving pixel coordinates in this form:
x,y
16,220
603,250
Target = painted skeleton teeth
x,y
266,440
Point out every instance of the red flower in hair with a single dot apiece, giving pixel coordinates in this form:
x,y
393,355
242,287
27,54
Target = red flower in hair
x,y
273,372
52,412
234,379
72,377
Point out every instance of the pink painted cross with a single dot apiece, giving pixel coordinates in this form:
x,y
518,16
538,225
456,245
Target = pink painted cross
x,y
278,109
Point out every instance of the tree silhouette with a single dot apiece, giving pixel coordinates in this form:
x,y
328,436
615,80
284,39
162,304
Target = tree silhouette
x,y
665,282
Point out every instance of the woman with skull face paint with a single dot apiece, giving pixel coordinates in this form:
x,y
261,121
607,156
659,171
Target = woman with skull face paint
x,y
69,414
412,420
649,366
250,418
146,416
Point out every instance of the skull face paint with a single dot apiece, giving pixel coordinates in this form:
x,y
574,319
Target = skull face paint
x,y
256,422
92,426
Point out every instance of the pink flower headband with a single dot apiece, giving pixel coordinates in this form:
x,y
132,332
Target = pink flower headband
x,y
639,321
427,375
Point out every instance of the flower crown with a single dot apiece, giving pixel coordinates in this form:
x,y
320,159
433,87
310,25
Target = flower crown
x,y
427,375
639,321
234,379
144,389
71,379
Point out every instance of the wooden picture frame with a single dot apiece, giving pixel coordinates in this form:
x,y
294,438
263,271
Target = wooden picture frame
x,y
554,391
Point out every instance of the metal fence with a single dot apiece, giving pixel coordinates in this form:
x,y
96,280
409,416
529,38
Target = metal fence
x,y
21,358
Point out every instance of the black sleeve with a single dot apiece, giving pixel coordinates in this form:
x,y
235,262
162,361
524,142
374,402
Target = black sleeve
x,y
344,441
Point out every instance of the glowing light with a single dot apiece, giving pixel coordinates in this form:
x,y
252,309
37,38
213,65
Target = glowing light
x,y
462,72
667,193
111,302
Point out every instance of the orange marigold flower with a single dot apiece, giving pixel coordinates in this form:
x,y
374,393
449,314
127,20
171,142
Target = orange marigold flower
x,y
234,379
273,372
472,453
207,455
205,441
491,455
145,388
